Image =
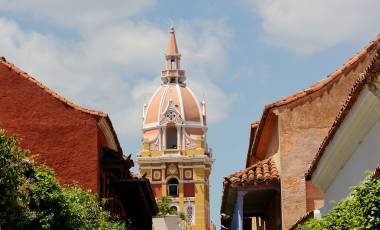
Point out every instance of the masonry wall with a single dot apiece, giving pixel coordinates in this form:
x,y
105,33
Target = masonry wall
x,y
302,128
60,136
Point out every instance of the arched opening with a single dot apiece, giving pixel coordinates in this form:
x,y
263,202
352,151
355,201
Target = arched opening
x,y
173,210
173,187
171,137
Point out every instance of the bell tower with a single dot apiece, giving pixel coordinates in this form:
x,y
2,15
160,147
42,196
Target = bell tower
x,y
174,153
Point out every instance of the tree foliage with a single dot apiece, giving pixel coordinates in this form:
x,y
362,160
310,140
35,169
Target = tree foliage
x,y
164,207
361,210
31,197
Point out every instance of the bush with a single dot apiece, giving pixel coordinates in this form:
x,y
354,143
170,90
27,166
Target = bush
x,y
361,210
164,208
31,197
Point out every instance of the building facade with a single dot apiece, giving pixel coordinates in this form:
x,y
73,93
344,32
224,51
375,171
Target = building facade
x,y
352,145
271,190
79,144
174,153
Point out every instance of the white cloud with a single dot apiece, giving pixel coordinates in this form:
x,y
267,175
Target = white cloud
x,y
309,26
113,68
77,13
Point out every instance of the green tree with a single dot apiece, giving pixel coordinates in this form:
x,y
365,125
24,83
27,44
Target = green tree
x,y
361,210
164,207
31,197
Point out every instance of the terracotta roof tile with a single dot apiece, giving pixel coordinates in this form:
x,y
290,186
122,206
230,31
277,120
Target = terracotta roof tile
x,y
348,66
67,102
25,75
359,84
263,172
376,172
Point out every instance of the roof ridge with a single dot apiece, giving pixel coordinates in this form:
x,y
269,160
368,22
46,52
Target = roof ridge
x,y
50,91
343,112
329,78
313,88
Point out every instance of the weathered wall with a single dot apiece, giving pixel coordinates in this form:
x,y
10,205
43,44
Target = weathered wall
x,y
64,138
314,197
273,143
302,128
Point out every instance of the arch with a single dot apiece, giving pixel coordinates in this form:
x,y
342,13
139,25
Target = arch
x,y
173,209
171,137
173,187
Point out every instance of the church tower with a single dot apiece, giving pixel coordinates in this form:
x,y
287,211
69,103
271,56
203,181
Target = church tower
x,y
174,153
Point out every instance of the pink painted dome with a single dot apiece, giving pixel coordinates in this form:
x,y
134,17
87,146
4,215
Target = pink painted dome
x,y
183,100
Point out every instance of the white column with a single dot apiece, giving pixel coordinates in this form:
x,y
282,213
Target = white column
x,y
160,139
179,131
164,138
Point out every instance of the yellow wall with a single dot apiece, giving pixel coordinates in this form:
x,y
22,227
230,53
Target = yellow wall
x,y
200,178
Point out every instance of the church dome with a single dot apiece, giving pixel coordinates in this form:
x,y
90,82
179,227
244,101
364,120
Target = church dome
x,y
173,117
180,97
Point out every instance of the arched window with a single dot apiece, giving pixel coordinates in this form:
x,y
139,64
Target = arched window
x,y
173,187
171,138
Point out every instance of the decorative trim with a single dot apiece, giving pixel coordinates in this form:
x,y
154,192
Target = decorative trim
x,y
344,143
103,125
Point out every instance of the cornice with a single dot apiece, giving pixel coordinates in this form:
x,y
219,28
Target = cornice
x,y
353,130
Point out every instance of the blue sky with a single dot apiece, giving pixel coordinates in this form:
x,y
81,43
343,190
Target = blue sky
x,y
240,55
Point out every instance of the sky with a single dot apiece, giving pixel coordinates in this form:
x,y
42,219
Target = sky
x,y
238,56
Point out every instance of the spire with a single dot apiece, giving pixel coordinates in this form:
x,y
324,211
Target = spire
x,y
172,48
172,72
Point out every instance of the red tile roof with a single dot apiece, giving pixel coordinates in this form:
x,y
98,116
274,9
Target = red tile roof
x,y
263,172
335,76
365,78
376,172
62,99
25,75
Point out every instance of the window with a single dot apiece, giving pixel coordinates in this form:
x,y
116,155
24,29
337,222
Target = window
x,y
189,213
171,138
173,187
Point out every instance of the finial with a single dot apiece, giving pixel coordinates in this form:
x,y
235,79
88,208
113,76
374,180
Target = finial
x,y
171,27
172,49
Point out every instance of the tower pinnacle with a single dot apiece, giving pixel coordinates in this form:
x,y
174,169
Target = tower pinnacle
x,y
173,72
172,48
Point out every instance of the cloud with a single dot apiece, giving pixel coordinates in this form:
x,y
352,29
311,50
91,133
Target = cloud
x,y
307,27
113,68
78,13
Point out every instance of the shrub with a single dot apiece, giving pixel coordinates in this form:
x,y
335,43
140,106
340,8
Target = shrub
x,y
361,210
31,197
164,208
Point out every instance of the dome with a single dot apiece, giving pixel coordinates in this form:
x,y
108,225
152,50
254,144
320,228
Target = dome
x,y
173,118
180,98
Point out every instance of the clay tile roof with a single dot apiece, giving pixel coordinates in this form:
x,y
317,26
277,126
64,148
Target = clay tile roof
x,y
356,89
25,75
302,220
62,99
376,172
333,77
263,172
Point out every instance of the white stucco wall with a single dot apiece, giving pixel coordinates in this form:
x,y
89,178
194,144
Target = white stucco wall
x,y
366,157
